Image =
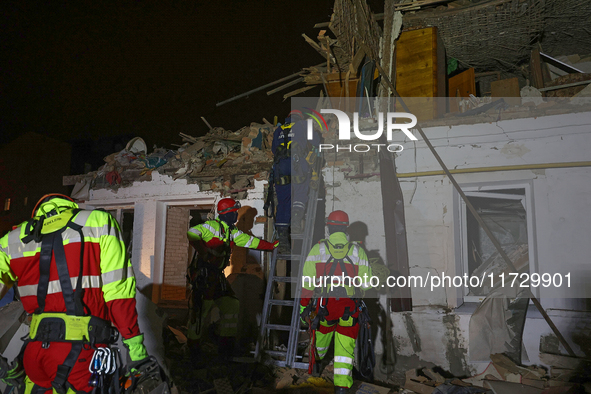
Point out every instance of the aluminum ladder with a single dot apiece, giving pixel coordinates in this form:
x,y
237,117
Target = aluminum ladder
x,y
297,255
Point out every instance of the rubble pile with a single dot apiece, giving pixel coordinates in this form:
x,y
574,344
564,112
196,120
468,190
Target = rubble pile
x,y
221,161
502,375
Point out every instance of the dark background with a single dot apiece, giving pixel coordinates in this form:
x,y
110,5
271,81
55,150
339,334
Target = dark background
x,y
100,73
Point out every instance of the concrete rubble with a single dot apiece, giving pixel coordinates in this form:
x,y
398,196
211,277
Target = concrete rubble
x,y
566,375
221,161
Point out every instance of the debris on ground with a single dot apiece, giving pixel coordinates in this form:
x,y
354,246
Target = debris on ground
x,y
368,388
502,375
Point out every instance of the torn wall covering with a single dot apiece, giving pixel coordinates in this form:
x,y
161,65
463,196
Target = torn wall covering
x,y
543,152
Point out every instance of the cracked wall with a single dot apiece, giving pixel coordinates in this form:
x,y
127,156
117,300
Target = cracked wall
x,y
436,332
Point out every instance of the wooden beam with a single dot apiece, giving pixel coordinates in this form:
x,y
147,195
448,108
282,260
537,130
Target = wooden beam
x,y
415,5
377,17
206,123
296,92
263,87
318,48
535,69
295,81
557,63
568,85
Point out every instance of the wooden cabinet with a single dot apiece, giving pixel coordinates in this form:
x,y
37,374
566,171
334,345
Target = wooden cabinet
x,y
421,72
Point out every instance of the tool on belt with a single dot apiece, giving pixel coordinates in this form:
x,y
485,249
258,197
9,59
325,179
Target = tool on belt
x,y
102,364
74,326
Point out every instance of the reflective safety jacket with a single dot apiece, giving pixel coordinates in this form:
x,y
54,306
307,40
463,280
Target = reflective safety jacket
x,y
321,266
107,275
218,238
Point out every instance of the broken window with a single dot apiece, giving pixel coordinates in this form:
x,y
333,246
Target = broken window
x,y
505,213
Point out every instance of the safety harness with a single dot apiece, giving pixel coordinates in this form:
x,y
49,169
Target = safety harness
x,y
199,272
74,326
338,254
275,177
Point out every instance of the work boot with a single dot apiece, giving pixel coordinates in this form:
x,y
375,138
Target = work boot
x,y
284,243
341,390
297,220
319,366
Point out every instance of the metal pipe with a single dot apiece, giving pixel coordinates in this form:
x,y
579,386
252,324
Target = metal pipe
x,y
498,168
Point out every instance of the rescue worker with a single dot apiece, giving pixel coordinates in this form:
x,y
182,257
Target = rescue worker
x,y
213,241
292,172
76,280
337,308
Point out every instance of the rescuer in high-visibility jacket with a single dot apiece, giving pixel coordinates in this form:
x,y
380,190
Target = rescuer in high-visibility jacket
x,y
291,176
213,241
337,307
76,280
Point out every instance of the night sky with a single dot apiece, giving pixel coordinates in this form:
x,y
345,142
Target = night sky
x,y
91,70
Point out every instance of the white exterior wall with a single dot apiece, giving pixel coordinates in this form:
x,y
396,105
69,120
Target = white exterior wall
x,y
149,201
562,223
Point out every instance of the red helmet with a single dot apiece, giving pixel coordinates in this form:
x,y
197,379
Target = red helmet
x,y
227,205
338,218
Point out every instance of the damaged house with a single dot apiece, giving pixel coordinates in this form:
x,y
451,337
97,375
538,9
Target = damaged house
x,y
157,196
522,162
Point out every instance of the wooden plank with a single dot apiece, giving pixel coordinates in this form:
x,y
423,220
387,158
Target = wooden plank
x,y
356,61
318,48
461,85
441,77
416,67
560,361
561,65
507,88
280,88
415,5
500,387
298,91
568,85
535,70
262,87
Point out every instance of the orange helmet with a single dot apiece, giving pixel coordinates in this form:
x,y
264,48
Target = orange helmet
x,y
227,205
48,197
338,218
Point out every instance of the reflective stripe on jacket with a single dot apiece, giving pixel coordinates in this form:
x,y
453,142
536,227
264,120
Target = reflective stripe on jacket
x,y
107,277
316,267
219,230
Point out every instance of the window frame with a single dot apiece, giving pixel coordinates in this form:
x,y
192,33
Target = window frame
x,y
488,189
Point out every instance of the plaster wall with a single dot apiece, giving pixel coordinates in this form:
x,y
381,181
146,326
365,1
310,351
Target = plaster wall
x,y
437,331
150,201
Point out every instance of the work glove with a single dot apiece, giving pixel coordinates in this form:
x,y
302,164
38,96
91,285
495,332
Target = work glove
x,y
12,375
146,372
264,245
304,313
136,348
